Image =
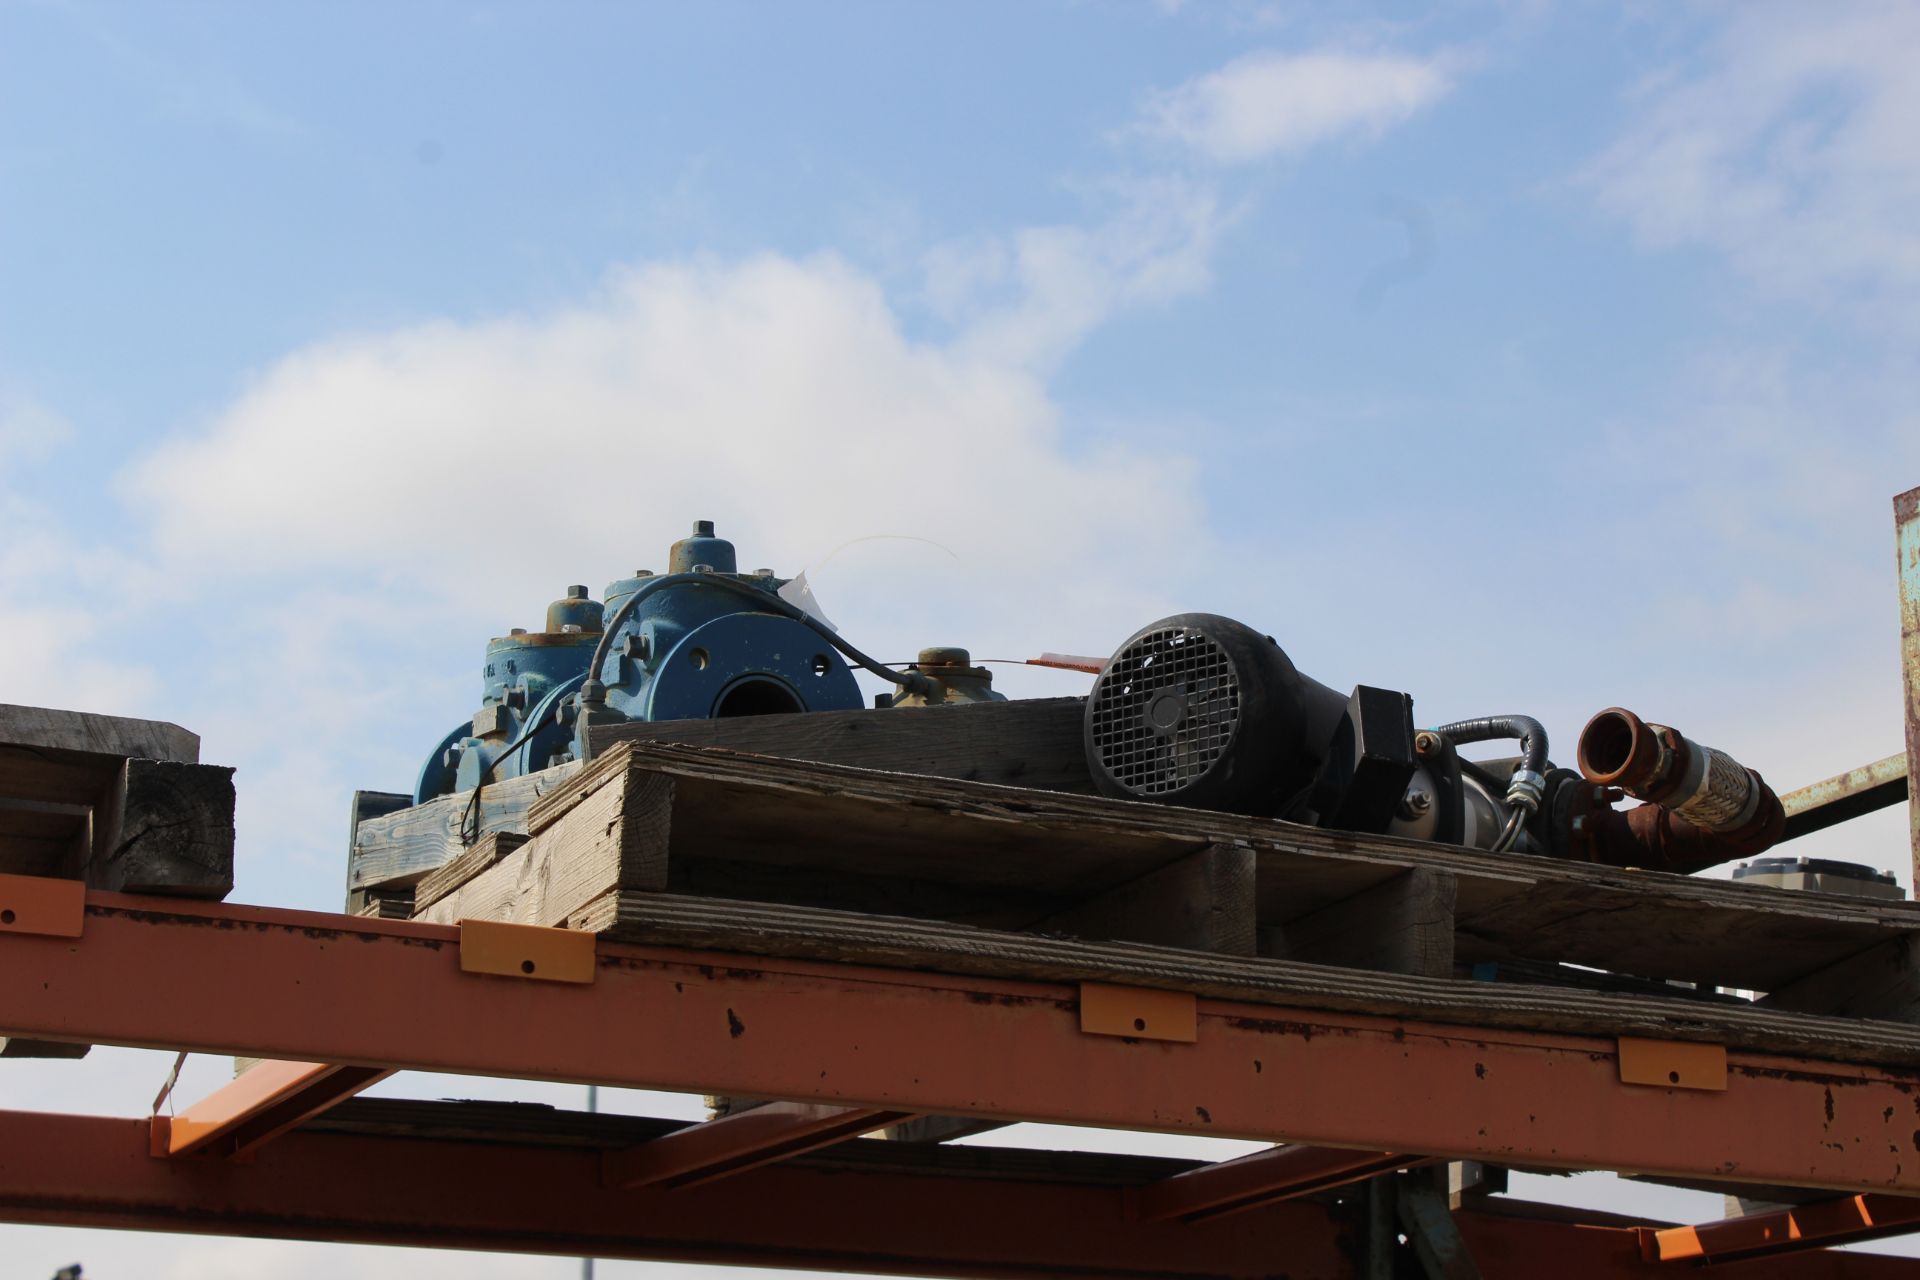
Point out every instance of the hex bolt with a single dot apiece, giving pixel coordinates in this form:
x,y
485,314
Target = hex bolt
x,y
1426,742
703,528
576,593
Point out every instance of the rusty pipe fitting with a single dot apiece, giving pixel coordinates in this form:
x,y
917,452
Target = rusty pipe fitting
x,y
1702,807
1652,762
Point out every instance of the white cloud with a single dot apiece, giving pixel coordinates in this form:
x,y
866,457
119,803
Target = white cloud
x,y
1266,103
29,431
488,464
1791,150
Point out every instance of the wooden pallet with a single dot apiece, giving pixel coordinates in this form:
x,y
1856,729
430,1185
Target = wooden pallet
x,y
714,849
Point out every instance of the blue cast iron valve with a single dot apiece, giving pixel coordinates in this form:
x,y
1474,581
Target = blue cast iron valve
x,y
702,641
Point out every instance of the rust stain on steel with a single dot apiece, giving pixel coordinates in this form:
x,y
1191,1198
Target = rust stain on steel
x,y
1906,516
1822,804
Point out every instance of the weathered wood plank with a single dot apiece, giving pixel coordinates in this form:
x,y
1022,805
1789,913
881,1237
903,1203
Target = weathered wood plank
x,y
766,929
172,827
1402,925
1881,982
1202,902
387,904
402,847
486,851
1032,742
85,731
615,839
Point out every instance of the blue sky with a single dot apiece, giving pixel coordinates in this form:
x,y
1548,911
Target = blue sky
x,y
1527,357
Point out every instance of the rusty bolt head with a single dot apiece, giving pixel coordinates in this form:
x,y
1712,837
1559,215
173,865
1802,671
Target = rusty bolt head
x,y
1426,742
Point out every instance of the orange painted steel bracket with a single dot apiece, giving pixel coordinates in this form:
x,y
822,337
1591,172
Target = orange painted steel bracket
x,y
1139,1013
1828,1222
526,951
1673,1064
43,905
273,983
734,1143
257,1106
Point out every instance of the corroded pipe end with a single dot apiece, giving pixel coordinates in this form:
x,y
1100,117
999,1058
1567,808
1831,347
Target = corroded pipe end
x,y
1619,749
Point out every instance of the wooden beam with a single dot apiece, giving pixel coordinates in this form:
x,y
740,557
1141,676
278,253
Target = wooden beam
x,y
488,850
1881,982
169,831
403,846
1403,925
735,1143
1030,742
1260,1178
606,835
1202,902
93,734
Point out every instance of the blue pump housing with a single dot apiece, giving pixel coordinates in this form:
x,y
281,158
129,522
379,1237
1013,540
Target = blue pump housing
x,y
686,651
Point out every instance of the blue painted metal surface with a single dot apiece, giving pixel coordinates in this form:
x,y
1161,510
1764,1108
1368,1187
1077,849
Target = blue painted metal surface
x,y
687,651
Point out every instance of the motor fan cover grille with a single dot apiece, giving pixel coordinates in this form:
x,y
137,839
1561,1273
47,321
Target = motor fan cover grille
x,y
1158,761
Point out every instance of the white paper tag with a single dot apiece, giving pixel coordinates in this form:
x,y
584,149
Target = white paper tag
x,y
800,596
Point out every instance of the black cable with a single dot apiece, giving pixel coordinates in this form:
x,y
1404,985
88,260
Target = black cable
x,y
1523,792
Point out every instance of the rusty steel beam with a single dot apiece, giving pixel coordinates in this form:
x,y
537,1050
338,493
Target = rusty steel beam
x,y
1806,1226
1261,1177
425,1192
268,982
1906,518
1823,804
734,1143
86,1171
257,1106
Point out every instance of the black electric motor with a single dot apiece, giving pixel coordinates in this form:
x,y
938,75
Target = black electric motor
x,y
1204,711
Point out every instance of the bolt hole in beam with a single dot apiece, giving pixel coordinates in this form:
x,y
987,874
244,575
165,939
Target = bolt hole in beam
x,y
527,951
43,905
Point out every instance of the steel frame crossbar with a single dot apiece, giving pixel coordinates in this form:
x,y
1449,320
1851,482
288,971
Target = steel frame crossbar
x,y
259,1105
735,1143
1808,1226
391,995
